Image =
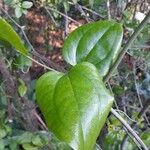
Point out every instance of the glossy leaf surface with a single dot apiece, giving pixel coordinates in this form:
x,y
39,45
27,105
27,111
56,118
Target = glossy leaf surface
x,y
97,43
8,34
75,105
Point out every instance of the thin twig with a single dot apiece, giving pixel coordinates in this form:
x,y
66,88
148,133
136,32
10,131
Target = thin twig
x,y
79,7
66,25
132,132
62,14
133,107
141,46
51,16
108,9
90,10
49,62
40,120
120,111
134,140
127,46
40,64
141,113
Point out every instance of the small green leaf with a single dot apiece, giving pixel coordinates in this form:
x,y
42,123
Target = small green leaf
x,y
8,129
29,147
24,11
27,4
8,34
75,105
66,6
18,12
26,137
36,140
98,43
22,62
22,89
91,2
118,90
146,137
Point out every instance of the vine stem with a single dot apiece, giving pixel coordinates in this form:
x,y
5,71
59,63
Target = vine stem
x,y
127,46
40,64
133,125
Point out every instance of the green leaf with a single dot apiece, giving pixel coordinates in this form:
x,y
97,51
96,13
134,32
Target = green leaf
x,y
26,137
118,90
22,62
98,43
18,12
36,140
24,11
27,4
22,89
29,147
91,2
8,34
66,6
75,105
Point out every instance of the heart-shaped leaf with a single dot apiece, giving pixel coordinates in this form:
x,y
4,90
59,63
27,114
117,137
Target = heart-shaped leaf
x,y
75,105
98,43
8,34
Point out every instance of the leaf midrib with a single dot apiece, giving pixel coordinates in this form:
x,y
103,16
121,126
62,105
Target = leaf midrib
x,y
71,85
